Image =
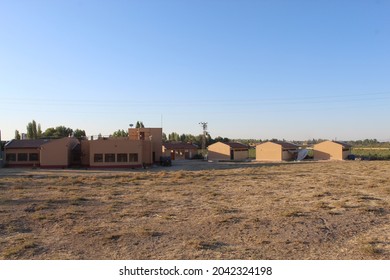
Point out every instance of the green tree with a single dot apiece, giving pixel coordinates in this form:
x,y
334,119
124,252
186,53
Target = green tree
x,y
58,132
78,133
174,137
139,125
49,132
222,139
17,135
39,131
32,131
120,133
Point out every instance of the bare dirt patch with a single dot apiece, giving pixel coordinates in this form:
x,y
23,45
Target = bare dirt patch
x,y
315,210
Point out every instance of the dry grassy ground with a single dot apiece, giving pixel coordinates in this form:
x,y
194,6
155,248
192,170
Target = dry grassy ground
x,y
324,210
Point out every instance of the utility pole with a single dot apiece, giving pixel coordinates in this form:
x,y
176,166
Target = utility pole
x,y
204,126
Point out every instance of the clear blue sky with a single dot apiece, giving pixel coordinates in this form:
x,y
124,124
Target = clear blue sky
x,y
251,69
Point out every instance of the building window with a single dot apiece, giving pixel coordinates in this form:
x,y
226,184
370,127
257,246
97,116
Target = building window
x,y
121,157
22,157
33,157
133,157
98,157
109,157
10,157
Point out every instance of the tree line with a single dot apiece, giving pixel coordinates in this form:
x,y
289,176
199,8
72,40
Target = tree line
x,y
123,133
193,139
34,131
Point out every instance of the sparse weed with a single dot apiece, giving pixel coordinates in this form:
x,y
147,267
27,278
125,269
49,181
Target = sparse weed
x,y
19,249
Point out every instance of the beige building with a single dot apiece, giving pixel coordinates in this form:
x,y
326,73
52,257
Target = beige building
x,y
56,153
179,150
227,151
331,150
21,153
152,137
276,151
118,152
142,147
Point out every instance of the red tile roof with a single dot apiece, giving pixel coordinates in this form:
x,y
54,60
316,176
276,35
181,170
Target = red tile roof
x,y
236,145
286,145
345,145
17,144
179,146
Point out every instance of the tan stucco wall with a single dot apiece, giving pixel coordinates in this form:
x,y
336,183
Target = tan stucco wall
x,y
57,153
269,151
115,146
329,150
21,150
241,155
156,134
286,155
85,154
221,151
218,151
146,152
180,154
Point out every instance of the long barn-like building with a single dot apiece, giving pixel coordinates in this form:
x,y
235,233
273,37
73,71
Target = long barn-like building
x,y
142,147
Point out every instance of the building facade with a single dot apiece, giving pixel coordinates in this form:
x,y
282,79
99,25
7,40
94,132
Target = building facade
x,y
276,151
227,151
331,150
58,153
179,150
142,147
23,153
45,153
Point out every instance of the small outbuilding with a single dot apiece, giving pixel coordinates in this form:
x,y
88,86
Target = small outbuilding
x,y
228,151
331,150
276,151
179,150
51,153
23,153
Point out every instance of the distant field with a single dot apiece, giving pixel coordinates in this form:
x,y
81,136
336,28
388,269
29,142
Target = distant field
x,y
372,153
308,210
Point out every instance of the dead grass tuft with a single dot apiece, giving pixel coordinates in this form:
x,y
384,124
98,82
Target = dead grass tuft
x,y
212,245
21,248
295,213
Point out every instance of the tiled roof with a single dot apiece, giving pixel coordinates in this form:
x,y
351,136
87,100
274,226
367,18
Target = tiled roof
x,y
286,145
236,145
343,144
179,146
36,143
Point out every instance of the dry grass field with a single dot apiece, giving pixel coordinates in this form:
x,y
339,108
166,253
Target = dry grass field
x,y
309,210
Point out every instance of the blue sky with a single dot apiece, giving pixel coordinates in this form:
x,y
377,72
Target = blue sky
x,y
251,69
